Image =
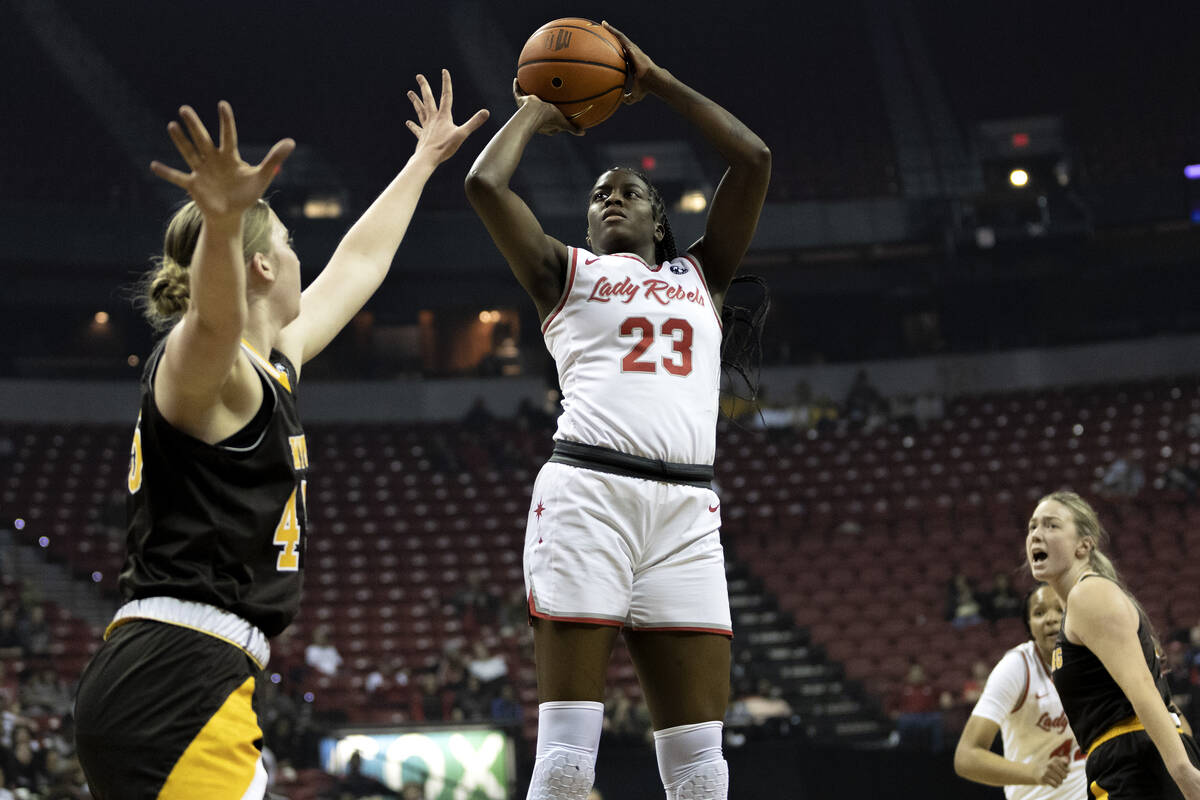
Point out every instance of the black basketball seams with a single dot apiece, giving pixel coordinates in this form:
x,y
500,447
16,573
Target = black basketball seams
x,y
569,61
585,99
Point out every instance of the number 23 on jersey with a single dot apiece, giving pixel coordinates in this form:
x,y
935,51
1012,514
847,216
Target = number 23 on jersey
x,y
678,362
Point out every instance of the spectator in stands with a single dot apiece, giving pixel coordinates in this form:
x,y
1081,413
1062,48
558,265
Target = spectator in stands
x,y
355,783
972,687
45,692
13,717
452,668
428,702
862,399
478,418
217,478
475,602
754,708
1183,475
9,683
322,655
23,765
35,633
919,723
963,608
505,707
474,700
530,417
1019,702
624,720
12,646
488,668
1123,479
514,613
5,791
1001,601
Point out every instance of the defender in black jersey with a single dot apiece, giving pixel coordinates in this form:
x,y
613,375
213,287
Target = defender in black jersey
x,y
218,471
1105,664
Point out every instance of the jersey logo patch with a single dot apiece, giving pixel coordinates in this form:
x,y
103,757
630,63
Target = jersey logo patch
x,y
678,269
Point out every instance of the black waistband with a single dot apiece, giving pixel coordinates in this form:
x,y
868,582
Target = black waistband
x,y
601,459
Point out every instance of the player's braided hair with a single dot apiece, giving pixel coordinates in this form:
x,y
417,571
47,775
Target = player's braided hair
x,y
741,343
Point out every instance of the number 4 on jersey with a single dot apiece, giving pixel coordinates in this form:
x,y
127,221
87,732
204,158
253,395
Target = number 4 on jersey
x,y
287,533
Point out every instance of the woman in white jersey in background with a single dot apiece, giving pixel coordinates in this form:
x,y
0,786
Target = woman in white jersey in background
x,y
1042,760
623,528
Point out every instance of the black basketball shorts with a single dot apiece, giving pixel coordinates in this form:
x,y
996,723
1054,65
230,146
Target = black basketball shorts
x,y
1128,767
164,711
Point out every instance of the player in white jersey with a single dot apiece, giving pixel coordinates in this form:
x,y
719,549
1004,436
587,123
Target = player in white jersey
x,y
1042,760
623,525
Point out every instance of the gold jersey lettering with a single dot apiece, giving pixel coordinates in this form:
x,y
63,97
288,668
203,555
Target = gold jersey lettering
x,y
1056,659
299,451
287,536
135,459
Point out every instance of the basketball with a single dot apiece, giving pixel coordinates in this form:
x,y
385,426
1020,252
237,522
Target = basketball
x,y
577,65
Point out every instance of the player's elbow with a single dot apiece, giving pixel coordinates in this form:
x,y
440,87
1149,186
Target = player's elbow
x,y
481,185
962,761
756,155
761,155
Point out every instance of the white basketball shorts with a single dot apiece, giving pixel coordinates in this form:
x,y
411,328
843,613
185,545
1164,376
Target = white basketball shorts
x,y
610,549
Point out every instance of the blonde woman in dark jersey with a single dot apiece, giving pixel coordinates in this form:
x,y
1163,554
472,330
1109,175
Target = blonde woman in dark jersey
x,y
217,479
1106,665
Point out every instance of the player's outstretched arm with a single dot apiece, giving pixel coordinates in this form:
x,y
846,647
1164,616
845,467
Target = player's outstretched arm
x,y
733,213
202,348
1103,618
975,761
537,260
365,254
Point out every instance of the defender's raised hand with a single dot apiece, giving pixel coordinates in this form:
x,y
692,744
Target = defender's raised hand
x,y
435,130
220,182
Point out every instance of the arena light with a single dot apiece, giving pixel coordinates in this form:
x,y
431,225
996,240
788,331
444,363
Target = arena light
x,y
1018,178
1020,140
693,202
323,207
101,317
1192,172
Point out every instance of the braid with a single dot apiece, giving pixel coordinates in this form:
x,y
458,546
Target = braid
x,y
741,345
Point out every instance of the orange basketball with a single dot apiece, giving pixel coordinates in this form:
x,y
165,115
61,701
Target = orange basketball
x,y
577,65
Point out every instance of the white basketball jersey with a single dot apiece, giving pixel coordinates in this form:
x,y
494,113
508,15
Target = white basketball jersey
x,y
638,349
1021,699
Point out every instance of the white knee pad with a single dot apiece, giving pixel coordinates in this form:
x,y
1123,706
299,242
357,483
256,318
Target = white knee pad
x,y
568,739
690,762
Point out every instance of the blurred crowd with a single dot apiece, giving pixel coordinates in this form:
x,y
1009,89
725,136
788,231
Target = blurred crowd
x,y
37,750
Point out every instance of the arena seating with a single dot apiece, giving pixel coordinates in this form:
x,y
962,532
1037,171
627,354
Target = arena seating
x,y
855,534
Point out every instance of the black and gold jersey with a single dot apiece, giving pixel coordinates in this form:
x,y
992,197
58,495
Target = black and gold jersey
x,y
223,524
1092,699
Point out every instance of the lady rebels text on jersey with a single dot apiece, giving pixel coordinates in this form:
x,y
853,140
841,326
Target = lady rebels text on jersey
x,y
638,349
1021,699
